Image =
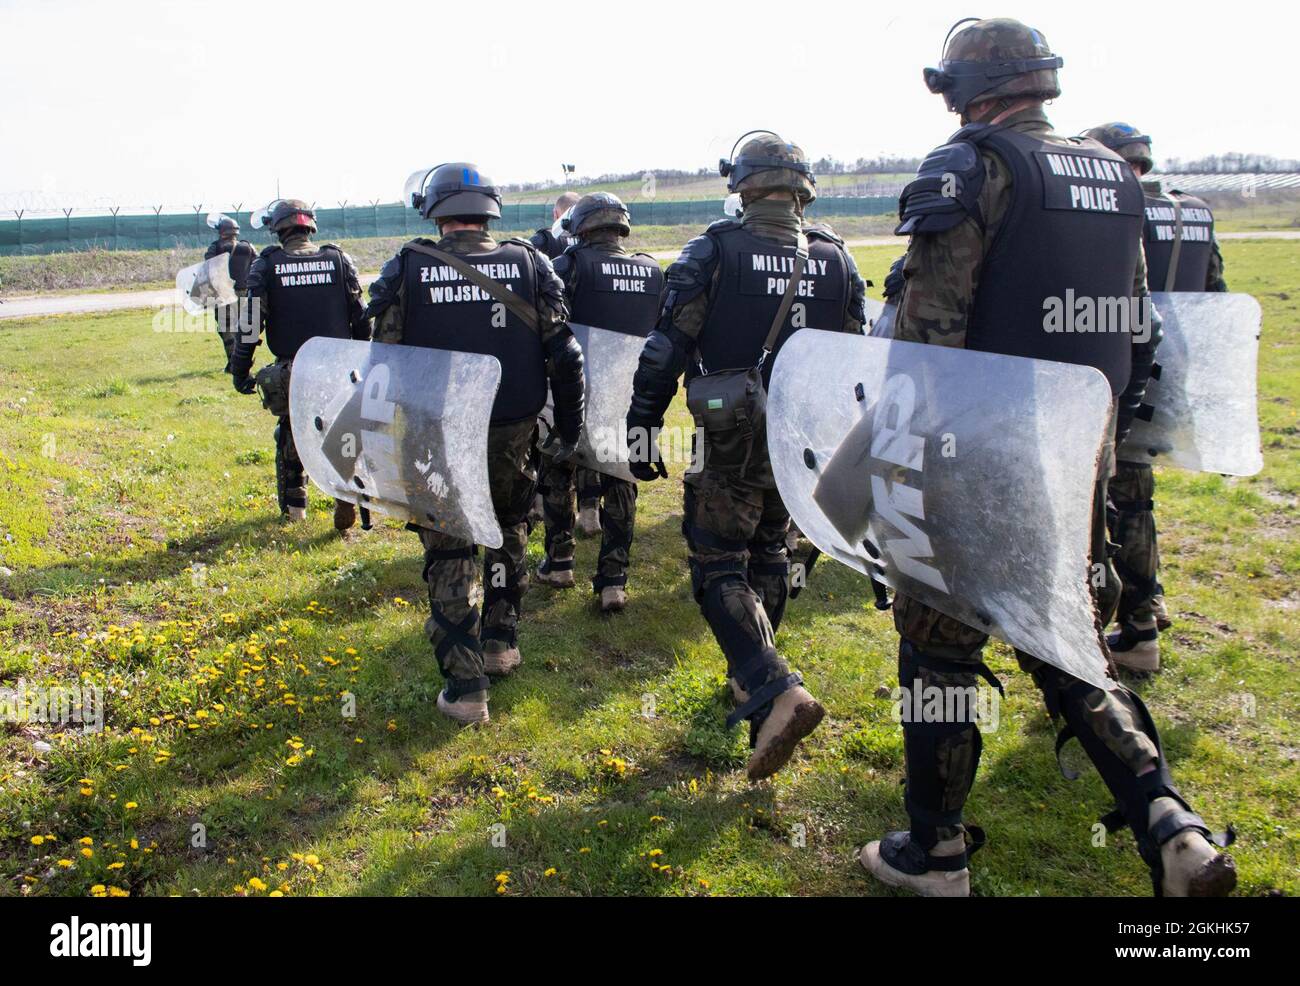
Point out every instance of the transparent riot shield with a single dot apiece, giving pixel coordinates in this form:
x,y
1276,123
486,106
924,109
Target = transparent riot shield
x,y
399,429
206,284
880,319
1202,406
962,479
609,364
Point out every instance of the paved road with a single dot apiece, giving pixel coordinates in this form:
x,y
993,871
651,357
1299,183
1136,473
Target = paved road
x,y
109,301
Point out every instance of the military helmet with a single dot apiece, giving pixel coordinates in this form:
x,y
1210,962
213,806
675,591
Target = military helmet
x,y
995,57
768,162
455,189
227,225
1127,141
279,215
596,211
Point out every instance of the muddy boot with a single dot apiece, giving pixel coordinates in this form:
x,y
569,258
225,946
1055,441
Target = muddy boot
x,y
295,515
465,700
345,515
1160,612
556,574
942,872
1136,646
613,599
588,519
1190,865
780,714
500,658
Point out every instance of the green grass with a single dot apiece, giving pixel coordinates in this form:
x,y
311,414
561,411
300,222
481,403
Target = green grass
x,y
137,515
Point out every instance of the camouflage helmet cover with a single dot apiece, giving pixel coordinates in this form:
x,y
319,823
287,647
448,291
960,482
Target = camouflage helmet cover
x,y
999,56
1127,141
768,162
285,214
596,211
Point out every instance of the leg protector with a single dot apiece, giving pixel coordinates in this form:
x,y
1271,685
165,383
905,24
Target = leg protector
x,y
1133,792
769,575
941,756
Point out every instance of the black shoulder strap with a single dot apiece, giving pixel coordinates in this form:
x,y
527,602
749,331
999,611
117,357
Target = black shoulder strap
x,y
496,289
1171,275
800,262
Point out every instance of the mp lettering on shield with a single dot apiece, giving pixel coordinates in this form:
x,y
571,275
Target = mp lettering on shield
x,y
899,505
377,446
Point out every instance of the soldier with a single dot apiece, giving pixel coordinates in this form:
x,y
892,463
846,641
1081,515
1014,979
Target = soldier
x,y
621,297
296,289
730,302
545,238
1004,215
467,292
1182,255
241,259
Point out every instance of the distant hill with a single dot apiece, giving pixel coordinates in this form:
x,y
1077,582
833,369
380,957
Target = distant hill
x,y
678,188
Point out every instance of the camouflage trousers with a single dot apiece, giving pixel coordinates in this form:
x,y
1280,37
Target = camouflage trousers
x,y
1132,526
941,759
456,627
735,529
228,329
290,477
617,501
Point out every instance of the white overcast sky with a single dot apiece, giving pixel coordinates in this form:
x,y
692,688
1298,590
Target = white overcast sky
x,y
140,101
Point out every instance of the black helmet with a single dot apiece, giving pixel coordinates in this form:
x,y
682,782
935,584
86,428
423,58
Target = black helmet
x,y
283,214
995,57
456,189
768,161
596,211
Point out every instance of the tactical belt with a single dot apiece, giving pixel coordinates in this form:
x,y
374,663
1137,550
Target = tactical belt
x,y
496,289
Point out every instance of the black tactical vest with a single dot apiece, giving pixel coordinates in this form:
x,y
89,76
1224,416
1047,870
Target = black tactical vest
x,y
446,311
615,291
306,296
1067,246
753,274
1160,232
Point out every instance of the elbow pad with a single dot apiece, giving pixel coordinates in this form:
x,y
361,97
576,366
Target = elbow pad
x,y
568,386
663,358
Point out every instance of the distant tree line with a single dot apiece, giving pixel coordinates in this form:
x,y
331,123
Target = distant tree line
x,y
1233,163
822,166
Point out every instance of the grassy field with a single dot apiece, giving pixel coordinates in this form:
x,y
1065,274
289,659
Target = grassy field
x,y
144,553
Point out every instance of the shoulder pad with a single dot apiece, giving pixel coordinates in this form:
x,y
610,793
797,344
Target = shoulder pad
x,y
422,240
823,231
562,264
945,190
723,226
267,251
692,271
519,242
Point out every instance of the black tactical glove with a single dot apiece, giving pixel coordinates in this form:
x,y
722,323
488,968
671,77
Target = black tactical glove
x,y
243,382
643,451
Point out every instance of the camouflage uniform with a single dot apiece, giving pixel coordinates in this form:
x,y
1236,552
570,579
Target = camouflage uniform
x,y
273,379
616,498
941,276
455,627
738,522
1131,518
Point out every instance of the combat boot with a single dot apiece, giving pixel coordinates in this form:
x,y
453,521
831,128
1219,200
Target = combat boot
x,y
466,707
588,519
345,515
1136,646
1160,612
613,599
776,727
295,514
942,872
500,658
556,574
1190,866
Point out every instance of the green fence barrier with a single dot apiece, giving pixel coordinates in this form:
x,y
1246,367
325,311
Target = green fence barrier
x,y
165,231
